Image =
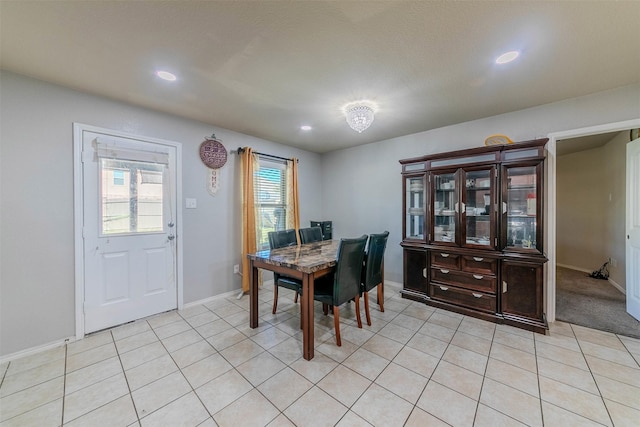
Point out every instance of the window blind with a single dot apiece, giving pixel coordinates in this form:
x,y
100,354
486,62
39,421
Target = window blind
x,y
270,186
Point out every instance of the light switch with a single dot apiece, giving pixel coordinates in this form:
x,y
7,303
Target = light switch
x,y
191,203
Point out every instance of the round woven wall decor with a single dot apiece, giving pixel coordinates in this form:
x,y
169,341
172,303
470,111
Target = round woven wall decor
x,y
212,153
498,139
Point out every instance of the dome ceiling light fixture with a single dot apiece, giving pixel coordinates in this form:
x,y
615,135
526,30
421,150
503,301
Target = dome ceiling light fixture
x,y
165,75
359,114
507,57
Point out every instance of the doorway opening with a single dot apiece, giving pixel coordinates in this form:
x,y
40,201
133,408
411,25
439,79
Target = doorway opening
x,y
590,207
552,205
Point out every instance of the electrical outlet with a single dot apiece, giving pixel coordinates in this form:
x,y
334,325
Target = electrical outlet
x,y
236,269
614,262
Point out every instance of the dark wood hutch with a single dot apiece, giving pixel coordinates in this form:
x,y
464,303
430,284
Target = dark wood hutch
x,y
473,232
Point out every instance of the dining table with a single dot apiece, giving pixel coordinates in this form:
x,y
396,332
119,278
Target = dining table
x,y
305,262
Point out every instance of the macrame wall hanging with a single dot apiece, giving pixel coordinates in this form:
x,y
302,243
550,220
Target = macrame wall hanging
x,y
214,156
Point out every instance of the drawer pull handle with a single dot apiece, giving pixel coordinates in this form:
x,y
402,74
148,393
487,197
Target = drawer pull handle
x,y
444,271
444,288
444,255
424,272
478,276
477,258
477,295
504,286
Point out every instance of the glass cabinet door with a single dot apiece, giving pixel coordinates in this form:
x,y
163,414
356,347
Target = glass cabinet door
x,y
522,208
414,207
445,207
478,200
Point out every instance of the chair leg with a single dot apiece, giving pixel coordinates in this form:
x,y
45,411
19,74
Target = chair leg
x,y
381,289
381,296
336,323
301,314
366,308
295,298
325,309
275,298
358,311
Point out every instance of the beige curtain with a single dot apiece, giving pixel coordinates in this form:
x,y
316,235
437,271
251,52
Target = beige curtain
x,y
248,164
293,206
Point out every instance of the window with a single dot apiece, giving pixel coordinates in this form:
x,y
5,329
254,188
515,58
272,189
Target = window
x,y
118,177
270,187
131,197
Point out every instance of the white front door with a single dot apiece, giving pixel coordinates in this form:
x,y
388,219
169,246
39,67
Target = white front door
x,y
129,229
633,229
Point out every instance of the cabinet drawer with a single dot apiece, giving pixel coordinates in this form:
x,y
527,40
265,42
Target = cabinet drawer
x,y
473,281
464,297
445,259
480,264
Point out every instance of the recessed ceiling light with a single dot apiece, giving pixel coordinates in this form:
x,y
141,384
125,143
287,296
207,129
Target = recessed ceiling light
x,y
165,75
507,57
305,127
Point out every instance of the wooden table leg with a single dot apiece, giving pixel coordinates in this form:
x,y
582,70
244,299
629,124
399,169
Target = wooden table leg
x,y
253,297
307,320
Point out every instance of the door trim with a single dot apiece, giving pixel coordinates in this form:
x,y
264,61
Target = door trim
x,y
550,200
78,219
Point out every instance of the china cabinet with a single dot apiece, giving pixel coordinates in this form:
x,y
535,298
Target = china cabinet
x,y
473,232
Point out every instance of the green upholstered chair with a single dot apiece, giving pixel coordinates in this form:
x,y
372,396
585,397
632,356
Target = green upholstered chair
x,y
310,235
281,239
372,272
344,283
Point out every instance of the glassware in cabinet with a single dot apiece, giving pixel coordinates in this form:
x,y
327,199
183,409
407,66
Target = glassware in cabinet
x,y
478,202
414,206
521,207
445,207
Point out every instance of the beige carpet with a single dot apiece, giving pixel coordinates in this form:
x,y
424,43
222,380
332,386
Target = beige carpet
x,y
593,303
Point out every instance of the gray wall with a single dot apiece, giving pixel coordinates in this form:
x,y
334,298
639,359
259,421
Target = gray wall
x,y
359,189
361,186
37,289
581,209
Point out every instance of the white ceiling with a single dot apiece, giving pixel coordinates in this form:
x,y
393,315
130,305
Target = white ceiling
x,y
265,68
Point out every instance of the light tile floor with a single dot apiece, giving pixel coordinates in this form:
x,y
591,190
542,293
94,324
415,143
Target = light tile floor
x,y
415,366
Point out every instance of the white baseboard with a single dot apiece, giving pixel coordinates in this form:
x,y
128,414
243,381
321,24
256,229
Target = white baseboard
x,y
393,284
210,299
614,284
618,287
266,283
573,267
40,348
37,349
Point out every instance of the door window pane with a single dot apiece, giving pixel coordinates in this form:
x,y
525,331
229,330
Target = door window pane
x,y
131,199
